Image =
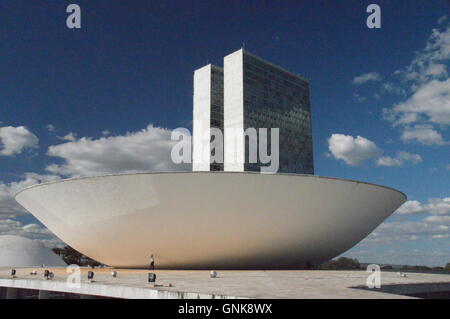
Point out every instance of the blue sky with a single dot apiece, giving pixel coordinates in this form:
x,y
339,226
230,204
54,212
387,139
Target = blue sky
x,y
71,100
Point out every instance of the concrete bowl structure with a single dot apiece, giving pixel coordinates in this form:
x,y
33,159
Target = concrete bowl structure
x,y
17,251
211,220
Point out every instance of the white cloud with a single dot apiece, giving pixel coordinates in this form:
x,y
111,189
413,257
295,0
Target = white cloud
x,y
431,102
437,219
411,207
13,140
427,109
435,206
359,98
439,206
366,77
145,150
406,156
388,233
391,88
68,137
399,160
440,236
405,256
389,161
50,127
353,151
9,208
428,63
32,231
436,70
424,134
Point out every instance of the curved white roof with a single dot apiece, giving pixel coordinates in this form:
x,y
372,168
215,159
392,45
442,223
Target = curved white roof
x,y
16,251
211,220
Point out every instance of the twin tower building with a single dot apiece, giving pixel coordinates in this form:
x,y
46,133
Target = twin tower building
x,y
251,95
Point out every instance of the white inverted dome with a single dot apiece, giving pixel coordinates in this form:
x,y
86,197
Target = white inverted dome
x,y
211,220
16,251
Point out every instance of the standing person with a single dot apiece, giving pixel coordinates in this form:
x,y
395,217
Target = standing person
x,y
152,263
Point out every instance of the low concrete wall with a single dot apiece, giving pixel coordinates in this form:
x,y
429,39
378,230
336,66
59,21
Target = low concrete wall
x,y
113,291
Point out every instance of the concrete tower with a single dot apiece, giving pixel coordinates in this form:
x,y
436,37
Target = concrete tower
x,y
207,114
251,93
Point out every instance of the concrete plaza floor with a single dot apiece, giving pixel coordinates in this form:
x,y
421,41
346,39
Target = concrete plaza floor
x,y
228,284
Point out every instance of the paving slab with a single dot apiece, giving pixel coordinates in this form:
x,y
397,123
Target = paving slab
x,y
311,284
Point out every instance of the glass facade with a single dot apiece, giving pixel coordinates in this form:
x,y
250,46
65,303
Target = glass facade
x,y
275,98
260,95
216,108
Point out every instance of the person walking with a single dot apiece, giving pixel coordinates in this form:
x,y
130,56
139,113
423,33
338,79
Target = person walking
x,y
152,263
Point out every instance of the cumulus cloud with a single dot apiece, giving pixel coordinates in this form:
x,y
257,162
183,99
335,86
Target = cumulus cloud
x,y
411,228
436,70
31,231
424,134
388,233
413,158
440,236
366,77
13,140
68,137
399,160
50,127
435,206
428,62
10,209
353,151
411,207
439,206
437,219
406,256
436,224
427,109
389,161
145,150
431,102
391,88
8,206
